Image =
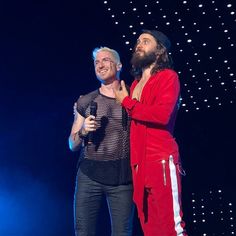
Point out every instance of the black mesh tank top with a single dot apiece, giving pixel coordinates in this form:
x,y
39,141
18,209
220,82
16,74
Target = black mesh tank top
x,y
107,159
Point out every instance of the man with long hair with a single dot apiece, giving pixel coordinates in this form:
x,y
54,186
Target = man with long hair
x,y
152,106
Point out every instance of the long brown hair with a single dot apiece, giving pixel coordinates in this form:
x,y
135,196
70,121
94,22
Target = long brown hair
x,y
163,61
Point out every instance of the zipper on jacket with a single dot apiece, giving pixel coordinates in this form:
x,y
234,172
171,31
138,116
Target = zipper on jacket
x,y
164,170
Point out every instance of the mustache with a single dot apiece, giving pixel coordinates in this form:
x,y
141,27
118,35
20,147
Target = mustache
x,y
138,50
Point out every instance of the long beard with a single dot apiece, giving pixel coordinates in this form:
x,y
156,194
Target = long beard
x,y
141,62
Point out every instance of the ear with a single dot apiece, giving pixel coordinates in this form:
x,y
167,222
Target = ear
x,y
118,66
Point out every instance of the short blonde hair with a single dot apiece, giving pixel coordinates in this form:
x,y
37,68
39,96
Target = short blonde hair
x,y
112,51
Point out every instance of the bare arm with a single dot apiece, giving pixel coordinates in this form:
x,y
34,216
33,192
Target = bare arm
x,y
80,128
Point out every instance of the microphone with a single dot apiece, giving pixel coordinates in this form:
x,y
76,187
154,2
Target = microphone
x,y
93,112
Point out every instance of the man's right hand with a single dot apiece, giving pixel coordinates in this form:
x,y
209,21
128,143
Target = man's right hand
x,y
121,93
89,125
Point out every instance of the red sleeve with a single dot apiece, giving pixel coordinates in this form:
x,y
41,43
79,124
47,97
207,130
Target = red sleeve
x,y
167,94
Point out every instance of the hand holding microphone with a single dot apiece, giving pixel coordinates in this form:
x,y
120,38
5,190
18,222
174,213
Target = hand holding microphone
x,y
90,124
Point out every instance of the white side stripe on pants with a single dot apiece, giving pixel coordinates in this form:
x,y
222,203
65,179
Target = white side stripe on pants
x,y
174,186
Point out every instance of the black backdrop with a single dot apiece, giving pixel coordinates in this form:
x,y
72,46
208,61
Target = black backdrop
x,y
46,63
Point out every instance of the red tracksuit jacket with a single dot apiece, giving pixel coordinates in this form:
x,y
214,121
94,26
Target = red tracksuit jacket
x,y
153,119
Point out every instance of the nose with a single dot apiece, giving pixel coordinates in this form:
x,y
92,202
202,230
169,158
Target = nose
x,y
100,64
139,46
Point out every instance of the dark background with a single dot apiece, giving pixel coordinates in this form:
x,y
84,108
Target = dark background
x,y
45,64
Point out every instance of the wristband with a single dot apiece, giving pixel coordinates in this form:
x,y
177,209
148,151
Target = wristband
x,y
81,135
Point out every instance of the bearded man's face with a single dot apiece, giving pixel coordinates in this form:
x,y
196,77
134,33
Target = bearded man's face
x,y
145,51
143,60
